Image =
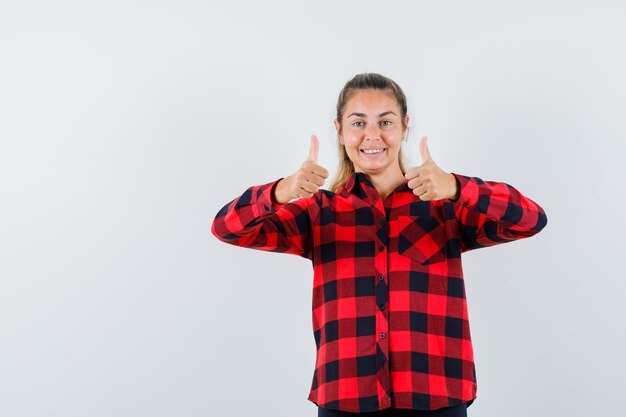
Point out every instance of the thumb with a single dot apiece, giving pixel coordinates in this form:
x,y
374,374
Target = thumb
x,y
314,149
424,150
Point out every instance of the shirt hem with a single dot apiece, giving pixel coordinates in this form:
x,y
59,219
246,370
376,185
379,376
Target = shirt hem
x,y
467,402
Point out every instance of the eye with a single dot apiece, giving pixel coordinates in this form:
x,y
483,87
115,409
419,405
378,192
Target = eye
x,y
387,121
355,124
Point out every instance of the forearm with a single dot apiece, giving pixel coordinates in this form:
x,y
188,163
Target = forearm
x,y
252,220
493,212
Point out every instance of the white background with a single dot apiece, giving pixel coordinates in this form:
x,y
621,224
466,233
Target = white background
x,y
126,125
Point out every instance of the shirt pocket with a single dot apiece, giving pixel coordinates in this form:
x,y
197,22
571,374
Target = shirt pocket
x,y
422,238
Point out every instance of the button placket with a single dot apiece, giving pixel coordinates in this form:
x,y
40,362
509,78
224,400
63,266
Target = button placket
x,y
381,287
383,376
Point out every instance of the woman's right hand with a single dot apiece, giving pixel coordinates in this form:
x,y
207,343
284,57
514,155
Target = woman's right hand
x,y
306,181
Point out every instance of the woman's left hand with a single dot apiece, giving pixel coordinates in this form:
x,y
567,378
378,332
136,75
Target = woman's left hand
x,y
428,181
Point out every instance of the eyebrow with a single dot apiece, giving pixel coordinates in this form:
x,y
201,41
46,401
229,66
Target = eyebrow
x,y
380,115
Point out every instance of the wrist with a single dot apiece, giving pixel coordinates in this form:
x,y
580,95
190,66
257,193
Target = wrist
x,y
280,194
456,187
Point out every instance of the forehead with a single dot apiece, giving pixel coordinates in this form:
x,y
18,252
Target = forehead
x,y
371,101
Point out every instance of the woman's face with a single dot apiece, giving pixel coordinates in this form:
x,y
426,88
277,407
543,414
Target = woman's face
x,y
372,121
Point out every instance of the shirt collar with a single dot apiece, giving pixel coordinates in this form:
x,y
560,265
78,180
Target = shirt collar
x,y
355,180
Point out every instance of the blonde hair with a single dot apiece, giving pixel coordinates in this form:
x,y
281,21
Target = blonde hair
x,y
364,81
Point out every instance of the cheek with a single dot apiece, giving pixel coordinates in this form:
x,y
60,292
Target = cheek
x,y
352,141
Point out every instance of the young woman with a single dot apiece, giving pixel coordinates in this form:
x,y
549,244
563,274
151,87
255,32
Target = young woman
x,y
389,312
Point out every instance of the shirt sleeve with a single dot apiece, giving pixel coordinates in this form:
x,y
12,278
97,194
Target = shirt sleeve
x,y
255,220
491,213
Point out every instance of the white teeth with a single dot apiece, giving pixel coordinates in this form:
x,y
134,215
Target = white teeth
x,y
372,150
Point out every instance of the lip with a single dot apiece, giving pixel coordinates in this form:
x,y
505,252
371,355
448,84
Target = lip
x,y
372,156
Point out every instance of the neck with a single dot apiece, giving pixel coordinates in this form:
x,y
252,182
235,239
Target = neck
x,y
385,183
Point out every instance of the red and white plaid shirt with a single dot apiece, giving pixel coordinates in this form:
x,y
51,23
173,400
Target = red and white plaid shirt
x,y
390,317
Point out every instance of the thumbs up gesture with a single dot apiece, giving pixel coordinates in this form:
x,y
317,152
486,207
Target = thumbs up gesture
x,y
306,181
428,181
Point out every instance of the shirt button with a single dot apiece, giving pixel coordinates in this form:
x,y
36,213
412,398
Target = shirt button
x,y
380,277
381,222
382,307
267,208
382,335
381,248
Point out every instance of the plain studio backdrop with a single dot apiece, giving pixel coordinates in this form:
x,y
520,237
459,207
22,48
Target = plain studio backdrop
x,y
126,125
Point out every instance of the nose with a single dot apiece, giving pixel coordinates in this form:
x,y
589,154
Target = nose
x,y
372,132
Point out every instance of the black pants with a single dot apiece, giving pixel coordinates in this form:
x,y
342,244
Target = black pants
x,y
456,411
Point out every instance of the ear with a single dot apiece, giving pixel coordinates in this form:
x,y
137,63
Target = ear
x,y
406,129
337,128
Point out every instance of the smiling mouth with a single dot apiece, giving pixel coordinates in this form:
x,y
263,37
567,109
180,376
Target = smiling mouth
x,y
381,150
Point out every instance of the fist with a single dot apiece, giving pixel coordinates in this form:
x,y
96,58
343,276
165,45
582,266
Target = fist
x,y
306,181
428,181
